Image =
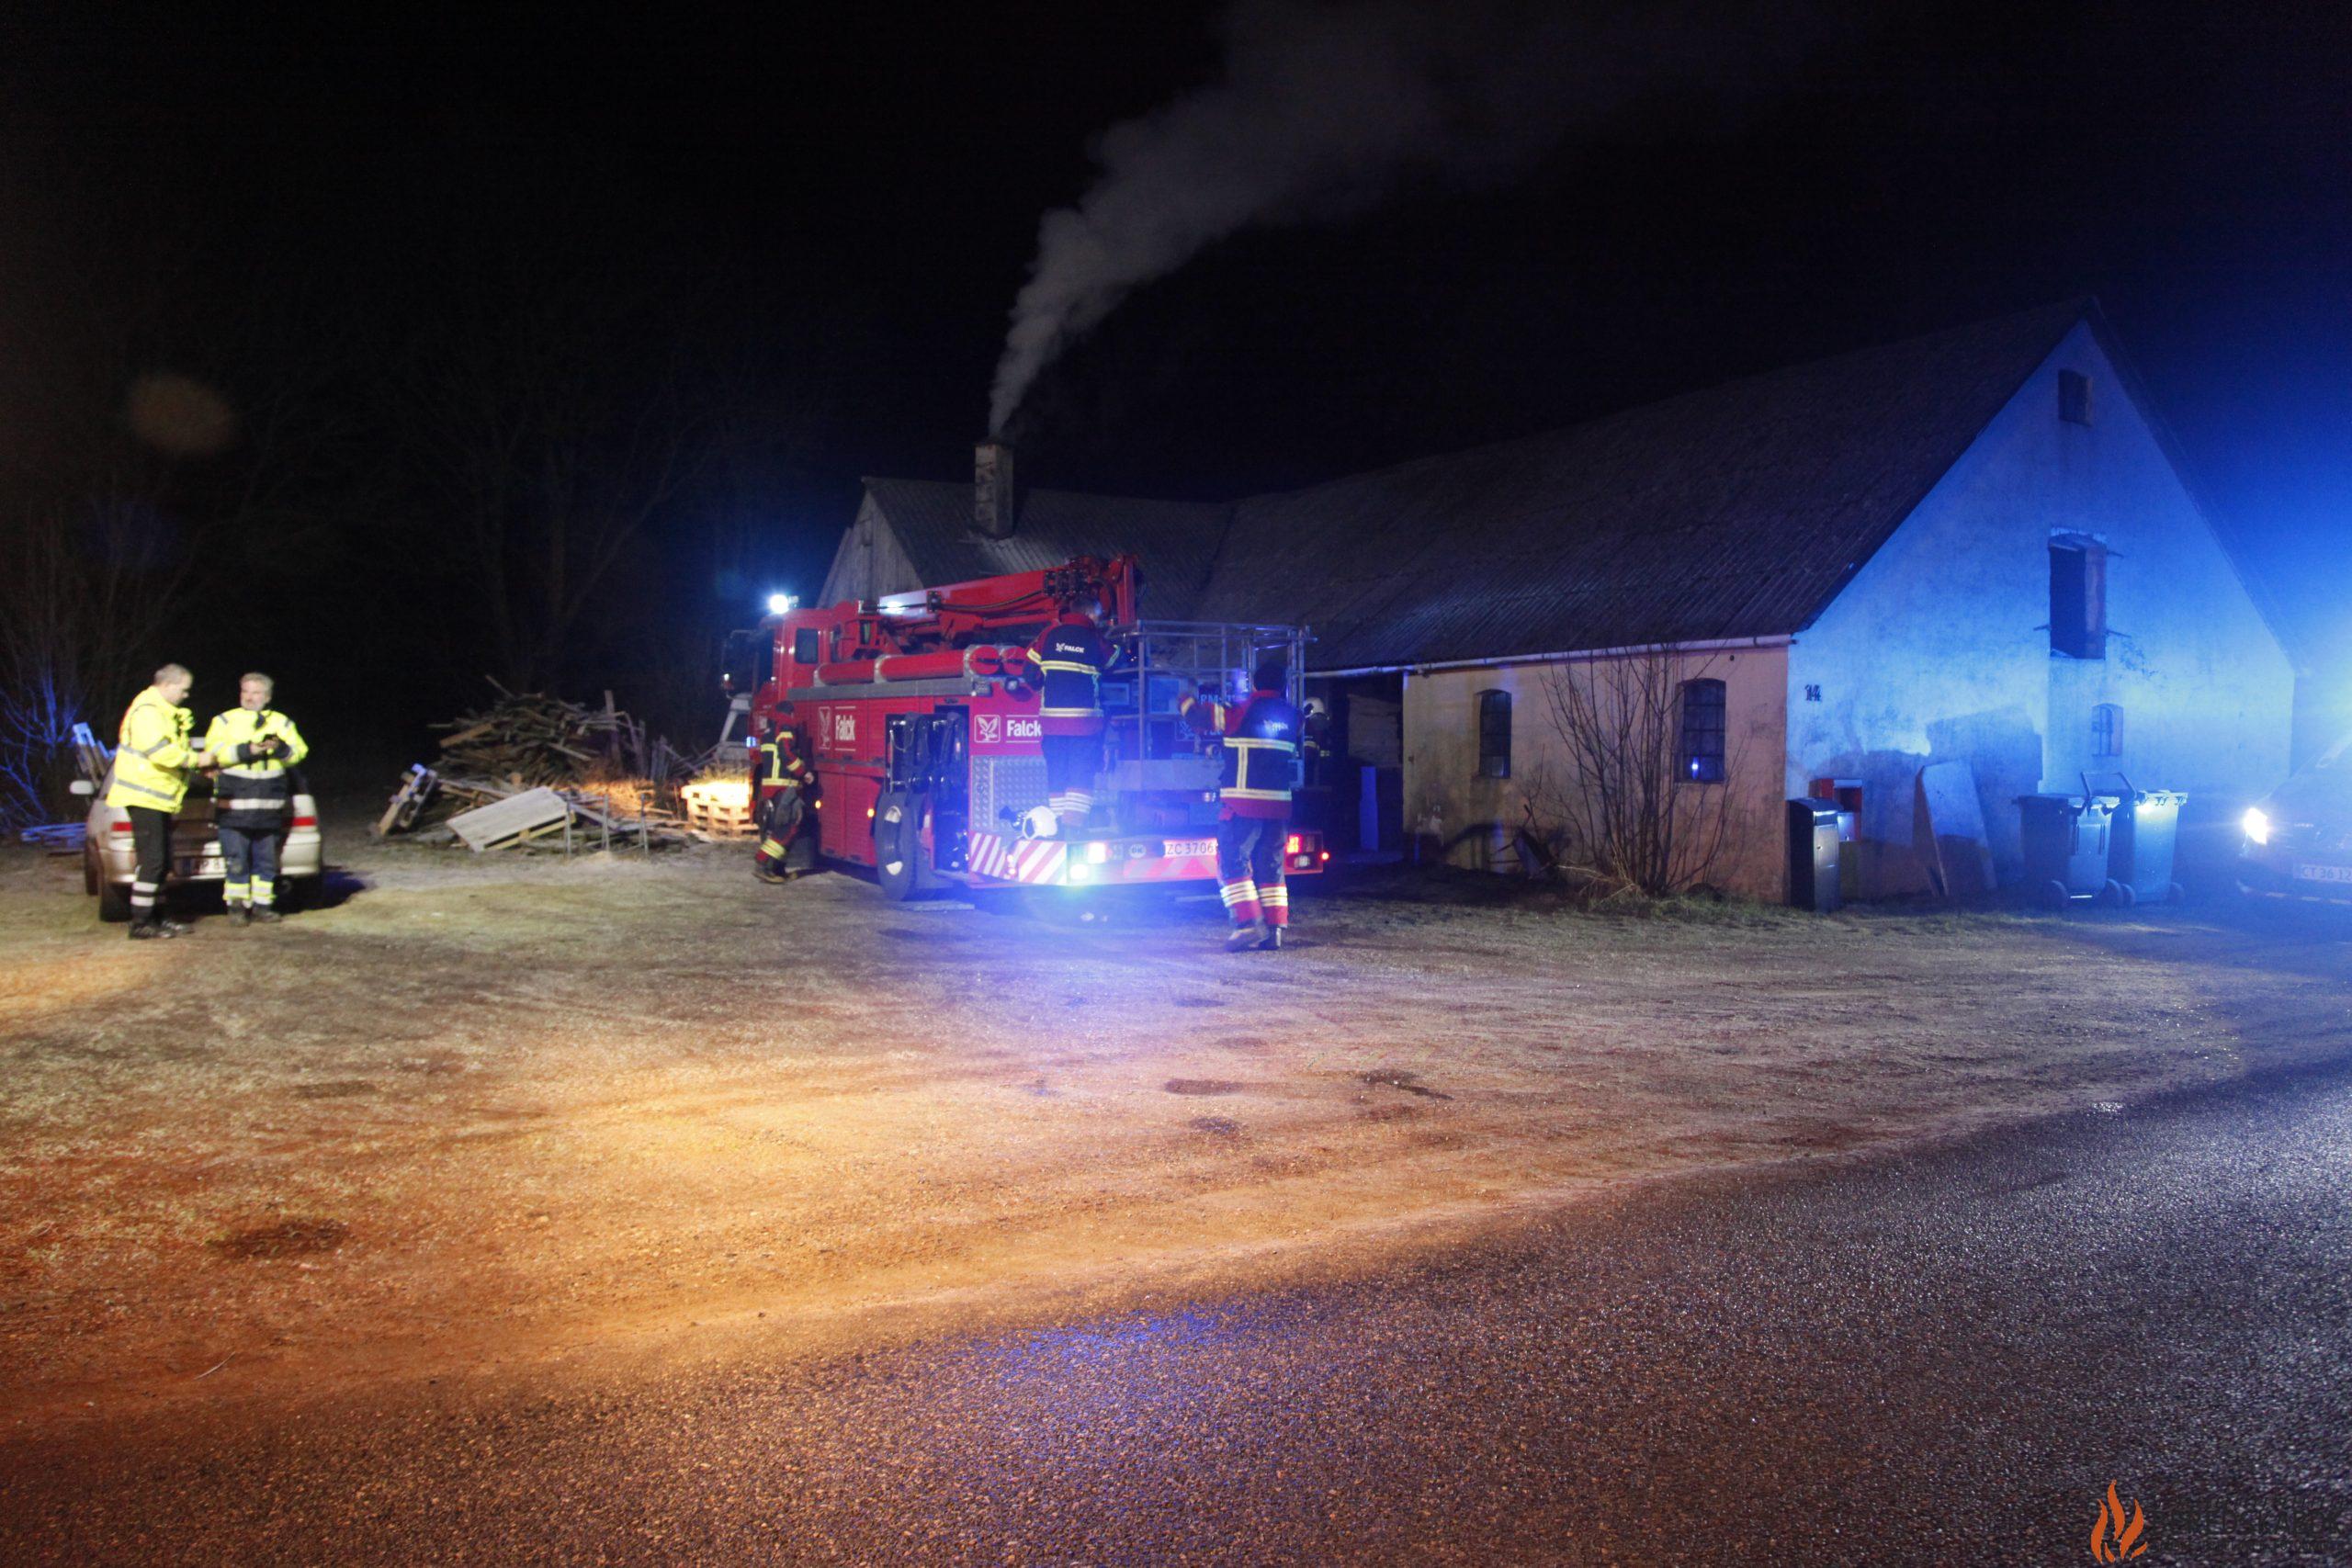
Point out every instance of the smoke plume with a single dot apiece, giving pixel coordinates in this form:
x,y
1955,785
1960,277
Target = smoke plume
x,y
1323,108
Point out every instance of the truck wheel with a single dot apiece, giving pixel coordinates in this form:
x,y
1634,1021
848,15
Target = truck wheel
x,y
897,845
114,901
2054,895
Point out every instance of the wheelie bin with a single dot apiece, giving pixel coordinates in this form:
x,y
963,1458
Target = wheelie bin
x,y
2065,839
2147,828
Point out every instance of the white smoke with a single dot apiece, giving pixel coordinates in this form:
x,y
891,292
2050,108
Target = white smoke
x,y
1322,109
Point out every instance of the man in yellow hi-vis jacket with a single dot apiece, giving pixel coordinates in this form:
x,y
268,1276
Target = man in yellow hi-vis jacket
x,y
150,768
255,747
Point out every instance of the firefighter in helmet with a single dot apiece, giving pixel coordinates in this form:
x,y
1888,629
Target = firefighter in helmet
x,y
1072,654
782,788
1259,758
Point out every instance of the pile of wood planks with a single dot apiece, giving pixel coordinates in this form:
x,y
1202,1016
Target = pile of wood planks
x,y
532,738
594,778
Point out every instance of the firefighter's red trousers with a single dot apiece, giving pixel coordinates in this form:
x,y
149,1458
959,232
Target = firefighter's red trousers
x,y
1249,869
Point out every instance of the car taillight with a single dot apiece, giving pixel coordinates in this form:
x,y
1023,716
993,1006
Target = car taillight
x,y
118,827
306,821
1296,844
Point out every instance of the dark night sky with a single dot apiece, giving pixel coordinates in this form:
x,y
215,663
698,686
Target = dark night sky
x,y
841,204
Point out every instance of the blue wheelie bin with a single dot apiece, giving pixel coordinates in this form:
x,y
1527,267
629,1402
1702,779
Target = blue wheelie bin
x,y
2065,839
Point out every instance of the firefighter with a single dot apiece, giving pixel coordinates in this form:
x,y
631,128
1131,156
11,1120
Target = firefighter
x,y
1072,654
255,747
151,769
783,788
1259,756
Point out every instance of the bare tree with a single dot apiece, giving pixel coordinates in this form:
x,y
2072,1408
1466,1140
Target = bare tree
x,y
126,491
542,447
1613,781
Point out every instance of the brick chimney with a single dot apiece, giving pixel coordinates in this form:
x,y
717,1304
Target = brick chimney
x,y
995,510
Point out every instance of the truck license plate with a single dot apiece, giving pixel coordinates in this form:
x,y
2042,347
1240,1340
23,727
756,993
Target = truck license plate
x,y
1185,848
2324,874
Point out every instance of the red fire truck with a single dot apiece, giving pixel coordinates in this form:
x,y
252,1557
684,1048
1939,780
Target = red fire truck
x,y
919,714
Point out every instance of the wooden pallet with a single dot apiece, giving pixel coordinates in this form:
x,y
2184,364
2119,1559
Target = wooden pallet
x,y
719,816
515,820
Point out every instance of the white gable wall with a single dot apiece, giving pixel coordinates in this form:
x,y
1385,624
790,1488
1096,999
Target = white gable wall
x,y
1939,647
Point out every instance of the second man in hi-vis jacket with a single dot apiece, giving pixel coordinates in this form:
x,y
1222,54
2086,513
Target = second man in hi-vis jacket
x,y
256,749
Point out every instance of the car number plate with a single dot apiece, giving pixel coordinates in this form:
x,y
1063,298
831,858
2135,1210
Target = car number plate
x,y
2324,874
1185,848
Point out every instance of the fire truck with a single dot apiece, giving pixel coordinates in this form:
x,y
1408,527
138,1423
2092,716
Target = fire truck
x,y
919,714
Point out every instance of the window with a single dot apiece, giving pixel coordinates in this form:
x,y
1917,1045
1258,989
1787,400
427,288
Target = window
x,y
1702,731
2073,397
1494,734
804,646
2078,597
2107,730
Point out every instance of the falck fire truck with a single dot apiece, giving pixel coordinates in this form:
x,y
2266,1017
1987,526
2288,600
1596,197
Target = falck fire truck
x,y
919,714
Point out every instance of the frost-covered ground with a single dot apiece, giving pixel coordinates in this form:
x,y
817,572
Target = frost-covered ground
x,y
487,1111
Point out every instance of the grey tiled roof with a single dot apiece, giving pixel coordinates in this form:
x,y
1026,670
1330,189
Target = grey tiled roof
x,y
1737,511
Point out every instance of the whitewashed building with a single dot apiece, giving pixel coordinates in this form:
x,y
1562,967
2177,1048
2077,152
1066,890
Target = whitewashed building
x,y
1973,546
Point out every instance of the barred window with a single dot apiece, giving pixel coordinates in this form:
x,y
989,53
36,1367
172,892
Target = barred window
x,y
1702,731
1494,734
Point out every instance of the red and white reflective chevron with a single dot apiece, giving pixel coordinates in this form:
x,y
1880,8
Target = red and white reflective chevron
x,y
1017,859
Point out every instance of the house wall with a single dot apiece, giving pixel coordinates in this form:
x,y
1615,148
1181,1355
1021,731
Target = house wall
x,y
1939,647
1471,820
868,563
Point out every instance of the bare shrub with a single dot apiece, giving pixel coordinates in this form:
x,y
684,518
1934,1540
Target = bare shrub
x,y
1612,783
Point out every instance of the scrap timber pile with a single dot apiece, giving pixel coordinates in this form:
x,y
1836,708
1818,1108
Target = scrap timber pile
x,y
535,739
531,771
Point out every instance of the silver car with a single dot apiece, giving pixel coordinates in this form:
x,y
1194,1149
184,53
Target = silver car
x,y
109,862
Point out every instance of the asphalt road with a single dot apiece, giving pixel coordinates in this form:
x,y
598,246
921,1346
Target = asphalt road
x,y
1941,1358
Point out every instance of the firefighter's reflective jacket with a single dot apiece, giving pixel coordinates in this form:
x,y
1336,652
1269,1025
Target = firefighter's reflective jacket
x,y
256,748
781,765
1259,757
1073,656
151,765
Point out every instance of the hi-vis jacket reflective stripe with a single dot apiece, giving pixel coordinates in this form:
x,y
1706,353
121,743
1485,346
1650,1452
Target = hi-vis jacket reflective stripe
x,y
1260,758
1073,656
232,737
253,791
784,765
151,765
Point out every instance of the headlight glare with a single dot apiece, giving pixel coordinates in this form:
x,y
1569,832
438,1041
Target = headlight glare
x,y
2256,825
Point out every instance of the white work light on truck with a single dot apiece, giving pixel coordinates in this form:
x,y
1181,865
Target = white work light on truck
x,y
781,603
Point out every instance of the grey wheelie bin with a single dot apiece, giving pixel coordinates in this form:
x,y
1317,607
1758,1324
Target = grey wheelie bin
x,y
2139,848
2065,839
